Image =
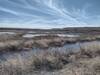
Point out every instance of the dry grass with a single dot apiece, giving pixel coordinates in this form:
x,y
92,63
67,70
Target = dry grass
x,y
11,45
50,61
53,62
40,61
44,62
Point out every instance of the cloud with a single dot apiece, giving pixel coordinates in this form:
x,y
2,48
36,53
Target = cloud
x,y
9,11
43,13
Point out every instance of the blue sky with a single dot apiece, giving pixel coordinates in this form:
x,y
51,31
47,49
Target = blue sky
x,y
49,13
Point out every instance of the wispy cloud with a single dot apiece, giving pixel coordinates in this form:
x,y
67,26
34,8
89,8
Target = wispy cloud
x,y
44,13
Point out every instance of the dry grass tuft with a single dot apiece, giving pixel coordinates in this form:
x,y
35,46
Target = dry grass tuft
x,y
49,61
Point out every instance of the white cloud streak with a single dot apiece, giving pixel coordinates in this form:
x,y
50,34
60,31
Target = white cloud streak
x,y
43,12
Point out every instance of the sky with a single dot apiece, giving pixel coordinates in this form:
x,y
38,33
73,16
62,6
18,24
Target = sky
x,y
49,13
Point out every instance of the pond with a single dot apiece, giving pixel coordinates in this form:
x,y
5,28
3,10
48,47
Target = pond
x,y
7,33
32,35
60,35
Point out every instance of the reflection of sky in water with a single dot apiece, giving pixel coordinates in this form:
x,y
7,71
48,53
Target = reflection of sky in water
x,y
32,35
62,35
7,33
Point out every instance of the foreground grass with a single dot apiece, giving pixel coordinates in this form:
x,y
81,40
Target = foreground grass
x,y
44,62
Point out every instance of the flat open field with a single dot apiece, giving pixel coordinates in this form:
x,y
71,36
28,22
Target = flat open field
x,y
67,51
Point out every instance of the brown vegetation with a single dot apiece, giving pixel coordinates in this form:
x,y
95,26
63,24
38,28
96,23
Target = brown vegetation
x,y
47,62
84,62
